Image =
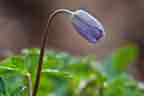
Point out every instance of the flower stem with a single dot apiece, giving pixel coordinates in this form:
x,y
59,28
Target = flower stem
x,y
29,84
43,45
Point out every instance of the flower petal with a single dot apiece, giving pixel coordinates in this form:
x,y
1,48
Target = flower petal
x,y
88,26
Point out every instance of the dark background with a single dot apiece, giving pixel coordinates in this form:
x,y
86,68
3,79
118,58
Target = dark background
x,y
22,23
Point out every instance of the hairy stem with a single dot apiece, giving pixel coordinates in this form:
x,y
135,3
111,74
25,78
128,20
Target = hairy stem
x,y
43,45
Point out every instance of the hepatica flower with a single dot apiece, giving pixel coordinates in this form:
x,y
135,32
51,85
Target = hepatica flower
x,y
88,26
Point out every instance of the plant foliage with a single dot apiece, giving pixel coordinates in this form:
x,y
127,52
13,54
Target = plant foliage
x,y
66,75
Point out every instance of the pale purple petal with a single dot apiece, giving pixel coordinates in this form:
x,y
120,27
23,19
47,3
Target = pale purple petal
x,y
88,26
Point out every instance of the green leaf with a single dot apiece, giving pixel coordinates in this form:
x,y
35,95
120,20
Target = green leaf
x,y
11,65
124,56
120,59
56,73
13,85
2,87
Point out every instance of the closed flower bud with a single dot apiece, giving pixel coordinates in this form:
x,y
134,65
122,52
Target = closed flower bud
x,y
88,26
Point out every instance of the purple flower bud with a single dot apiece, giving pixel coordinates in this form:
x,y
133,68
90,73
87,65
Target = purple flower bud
x,y
88,26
